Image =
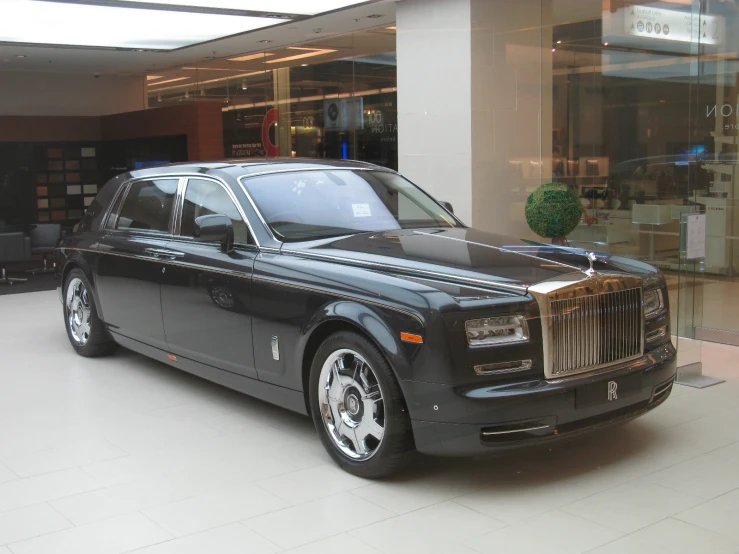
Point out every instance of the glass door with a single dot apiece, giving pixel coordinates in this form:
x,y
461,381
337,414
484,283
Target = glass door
x,y
716,121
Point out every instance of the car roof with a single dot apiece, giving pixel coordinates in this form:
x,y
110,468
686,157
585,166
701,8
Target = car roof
x,y
250,166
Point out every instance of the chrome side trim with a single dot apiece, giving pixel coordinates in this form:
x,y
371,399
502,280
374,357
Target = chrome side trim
x,y
503,368
254,206
510,431
420,272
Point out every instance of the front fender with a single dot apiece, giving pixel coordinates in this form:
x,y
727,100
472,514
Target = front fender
x,y
381,325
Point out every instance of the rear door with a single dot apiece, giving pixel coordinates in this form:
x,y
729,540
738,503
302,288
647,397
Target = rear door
x,y
130,268
206,301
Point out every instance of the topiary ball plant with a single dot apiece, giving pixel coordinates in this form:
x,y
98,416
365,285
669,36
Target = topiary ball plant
x,y
553,211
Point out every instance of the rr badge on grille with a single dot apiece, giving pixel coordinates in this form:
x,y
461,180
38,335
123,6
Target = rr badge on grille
x,y
612,391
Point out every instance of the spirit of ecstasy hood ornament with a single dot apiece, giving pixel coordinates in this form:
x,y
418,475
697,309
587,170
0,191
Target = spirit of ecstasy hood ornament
x,y
591,258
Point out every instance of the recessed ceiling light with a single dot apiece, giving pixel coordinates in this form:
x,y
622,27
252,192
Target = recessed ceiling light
x,y
250,57
265,41
274,6
309,54
20,56
72,24
559,42
303,65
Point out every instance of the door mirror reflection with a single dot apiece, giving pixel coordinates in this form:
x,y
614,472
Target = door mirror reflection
x,y
447,206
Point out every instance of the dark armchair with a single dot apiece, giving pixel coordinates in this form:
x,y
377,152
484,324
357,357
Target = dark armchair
x,y
14,247
44,237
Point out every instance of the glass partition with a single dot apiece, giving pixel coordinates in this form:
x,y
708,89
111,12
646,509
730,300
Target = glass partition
x,y
333,97
630,80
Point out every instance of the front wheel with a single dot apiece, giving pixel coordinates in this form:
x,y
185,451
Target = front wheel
x,y
358,408
85,330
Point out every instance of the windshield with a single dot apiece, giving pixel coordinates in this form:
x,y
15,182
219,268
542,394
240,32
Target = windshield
x,y
310,205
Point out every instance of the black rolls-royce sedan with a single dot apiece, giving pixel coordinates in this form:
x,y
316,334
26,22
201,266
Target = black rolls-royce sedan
x,y
343,291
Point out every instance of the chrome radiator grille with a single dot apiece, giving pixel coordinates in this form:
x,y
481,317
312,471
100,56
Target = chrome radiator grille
x,y
597,330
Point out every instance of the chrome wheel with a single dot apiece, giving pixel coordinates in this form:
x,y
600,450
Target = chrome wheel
x,y
351,404
78,311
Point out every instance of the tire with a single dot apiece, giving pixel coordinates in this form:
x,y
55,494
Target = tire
x,y
365,383
86,332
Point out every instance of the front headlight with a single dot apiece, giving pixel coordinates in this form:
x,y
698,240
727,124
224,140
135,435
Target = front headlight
x,y
654,303
497,330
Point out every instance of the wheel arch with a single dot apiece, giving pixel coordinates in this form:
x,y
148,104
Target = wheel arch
x,y
76,261
366,321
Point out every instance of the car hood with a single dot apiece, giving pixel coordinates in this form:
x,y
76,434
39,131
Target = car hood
x,y
465,254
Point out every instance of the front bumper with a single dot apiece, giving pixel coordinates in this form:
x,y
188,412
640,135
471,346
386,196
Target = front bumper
x,y
472,420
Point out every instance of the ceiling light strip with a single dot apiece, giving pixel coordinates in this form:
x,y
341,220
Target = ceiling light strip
x,y
316,52
167,81
219,80
249,57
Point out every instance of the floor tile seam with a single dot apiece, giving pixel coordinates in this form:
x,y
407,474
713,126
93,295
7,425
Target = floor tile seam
x,y
451,498
287,550
71,523
71,526
379,551
78,466
513,525
11,471
293,503
701,501
246,521
703,498
147,518
624,535
721,448
701,527
3,511
503,523
704,501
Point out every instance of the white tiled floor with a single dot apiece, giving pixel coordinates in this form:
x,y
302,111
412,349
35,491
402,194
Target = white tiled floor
x,y
124,454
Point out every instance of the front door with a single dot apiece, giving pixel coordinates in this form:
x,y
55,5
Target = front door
x,y
205,291
129,267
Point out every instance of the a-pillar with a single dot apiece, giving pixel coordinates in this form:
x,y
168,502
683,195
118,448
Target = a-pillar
x,y
475,104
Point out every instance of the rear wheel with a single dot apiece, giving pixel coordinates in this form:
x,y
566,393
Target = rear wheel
x,y
358,408
86,332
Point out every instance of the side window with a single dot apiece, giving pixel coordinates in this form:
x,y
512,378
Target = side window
x,y
148,205
204,197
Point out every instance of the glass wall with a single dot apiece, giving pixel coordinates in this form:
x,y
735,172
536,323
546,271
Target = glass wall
x,y
644,104
329,98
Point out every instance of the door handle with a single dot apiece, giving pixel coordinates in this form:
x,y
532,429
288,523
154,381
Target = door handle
x,y
164,252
